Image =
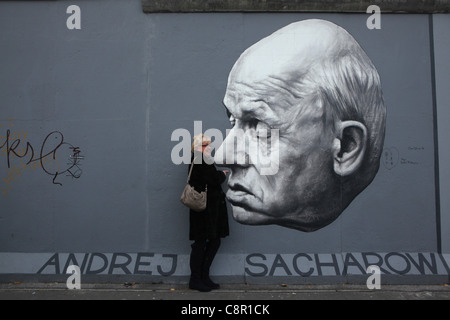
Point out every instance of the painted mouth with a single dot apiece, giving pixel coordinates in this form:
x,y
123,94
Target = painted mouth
x,y
238,195
238,188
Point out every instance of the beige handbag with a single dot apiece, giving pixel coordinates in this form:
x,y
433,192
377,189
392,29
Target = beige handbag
x,y
191,198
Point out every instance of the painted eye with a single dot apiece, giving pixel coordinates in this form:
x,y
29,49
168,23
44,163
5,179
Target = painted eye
x,y
262,130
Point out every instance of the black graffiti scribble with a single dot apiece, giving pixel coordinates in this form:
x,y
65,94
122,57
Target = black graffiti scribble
x,y
52,144
74,162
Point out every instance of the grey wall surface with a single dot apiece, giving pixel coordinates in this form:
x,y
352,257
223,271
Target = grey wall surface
x,y
442,63
119,87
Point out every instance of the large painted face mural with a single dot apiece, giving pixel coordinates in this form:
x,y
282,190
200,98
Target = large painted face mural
x,y
308,101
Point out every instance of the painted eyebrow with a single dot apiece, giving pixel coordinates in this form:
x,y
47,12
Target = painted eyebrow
x,y
261,115
260,111
256,113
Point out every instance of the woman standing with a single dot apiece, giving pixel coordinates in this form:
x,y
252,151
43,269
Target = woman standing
x,y
206,228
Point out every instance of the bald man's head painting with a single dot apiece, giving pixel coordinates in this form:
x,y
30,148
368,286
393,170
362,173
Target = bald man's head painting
x,y
312,84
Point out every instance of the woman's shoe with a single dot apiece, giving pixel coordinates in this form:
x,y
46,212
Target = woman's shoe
x,y
210,283
199,285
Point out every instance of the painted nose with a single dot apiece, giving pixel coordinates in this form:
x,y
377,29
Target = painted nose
x,y
233,151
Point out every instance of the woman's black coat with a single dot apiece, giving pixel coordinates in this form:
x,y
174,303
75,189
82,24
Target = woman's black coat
x,y
212,223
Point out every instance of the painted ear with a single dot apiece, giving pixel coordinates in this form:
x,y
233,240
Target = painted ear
x,y
349,147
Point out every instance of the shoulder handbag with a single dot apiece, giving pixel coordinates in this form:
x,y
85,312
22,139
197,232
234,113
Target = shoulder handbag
x,y
191,198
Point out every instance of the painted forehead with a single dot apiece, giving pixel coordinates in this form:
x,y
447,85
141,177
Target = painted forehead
x,y
262,97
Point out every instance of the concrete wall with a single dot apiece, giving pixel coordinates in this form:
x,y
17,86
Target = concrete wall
x,y
442,65
94,110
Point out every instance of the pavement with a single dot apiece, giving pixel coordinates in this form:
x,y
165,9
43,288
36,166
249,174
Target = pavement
x,y
227,292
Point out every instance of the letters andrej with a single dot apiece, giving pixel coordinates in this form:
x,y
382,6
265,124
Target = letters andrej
x,y
117,263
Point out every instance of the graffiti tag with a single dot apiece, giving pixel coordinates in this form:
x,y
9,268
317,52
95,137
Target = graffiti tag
x,y
46,156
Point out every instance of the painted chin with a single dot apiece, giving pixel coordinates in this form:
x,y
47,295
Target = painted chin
x,y
245,206
245,216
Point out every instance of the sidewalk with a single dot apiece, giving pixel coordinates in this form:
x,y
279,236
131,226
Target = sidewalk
x,y
232,292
